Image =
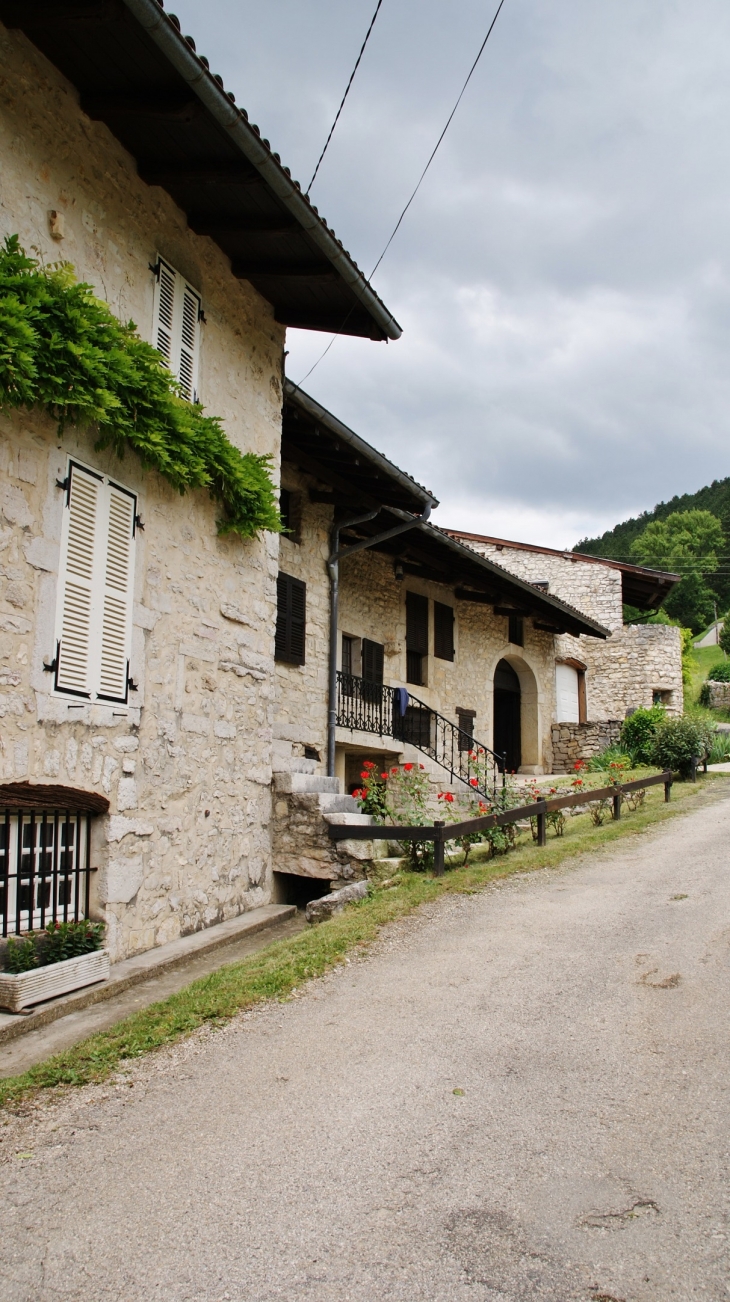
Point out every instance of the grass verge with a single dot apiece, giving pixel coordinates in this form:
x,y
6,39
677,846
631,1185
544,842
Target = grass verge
x,y
276,971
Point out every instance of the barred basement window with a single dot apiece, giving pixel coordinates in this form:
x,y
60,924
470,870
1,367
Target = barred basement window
x,y
291,613
45,867
96,588
176,327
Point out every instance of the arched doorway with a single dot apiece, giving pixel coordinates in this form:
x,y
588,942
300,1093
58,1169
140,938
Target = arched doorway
x,y
507,716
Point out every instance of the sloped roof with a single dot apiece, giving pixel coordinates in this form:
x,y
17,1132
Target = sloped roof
x,y
136,72
641,587
324,446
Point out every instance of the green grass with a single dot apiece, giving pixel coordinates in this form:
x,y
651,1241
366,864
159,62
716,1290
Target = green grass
x,y
278,970
703,660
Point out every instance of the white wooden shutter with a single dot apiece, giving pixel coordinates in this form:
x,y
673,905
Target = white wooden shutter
x,y
165,311
116,625
189,339
76,594
566,693
96,588
177,327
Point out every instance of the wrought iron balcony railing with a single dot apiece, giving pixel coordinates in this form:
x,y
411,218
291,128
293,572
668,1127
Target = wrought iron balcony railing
x,y
375,708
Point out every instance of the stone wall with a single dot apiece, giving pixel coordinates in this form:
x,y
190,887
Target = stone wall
x,y
592,588
581,741
187,767
719,694
624,671
373,605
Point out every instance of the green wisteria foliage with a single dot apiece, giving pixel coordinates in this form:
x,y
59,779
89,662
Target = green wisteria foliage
x,y
63,350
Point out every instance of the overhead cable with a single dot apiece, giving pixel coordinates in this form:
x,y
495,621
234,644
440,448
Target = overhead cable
x,y
344,97
434,151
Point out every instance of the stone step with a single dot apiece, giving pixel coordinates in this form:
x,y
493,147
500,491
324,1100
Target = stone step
x,y
349,820
306,783
332,804
295,764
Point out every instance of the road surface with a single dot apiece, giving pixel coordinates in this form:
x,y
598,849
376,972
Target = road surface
x,y
522,1094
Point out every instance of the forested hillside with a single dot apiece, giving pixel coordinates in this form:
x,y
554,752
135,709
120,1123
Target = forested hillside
x,y
715,497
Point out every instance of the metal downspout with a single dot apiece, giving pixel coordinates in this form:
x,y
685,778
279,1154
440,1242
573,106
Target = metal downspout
x,y
333,569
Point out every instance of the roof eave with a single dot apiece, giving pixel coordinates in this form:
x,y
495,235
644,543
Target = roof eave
x,y
159,28
353,440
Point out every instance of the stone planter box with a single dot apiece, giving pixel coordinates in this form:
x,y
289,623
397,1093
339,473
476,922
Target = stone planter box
x,y
18,992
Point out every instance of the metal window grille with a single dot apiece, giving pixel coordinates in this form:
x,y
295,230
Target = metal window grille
x,y
45,868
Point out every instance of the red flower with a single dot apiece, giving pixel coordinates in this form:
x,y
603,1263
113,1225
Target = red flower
x,y
449,795
408,767
365,775
357,795
384,776
368,764
394,768
473,782
422,766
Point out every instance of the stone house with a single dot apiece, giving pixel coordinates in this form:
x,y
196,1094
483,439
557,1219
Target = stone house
x,y
598,682
137,678
396,642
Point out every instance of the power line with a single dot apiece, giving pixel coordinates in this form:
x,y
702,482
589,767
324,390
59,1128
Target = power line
x,y
347,92
435,150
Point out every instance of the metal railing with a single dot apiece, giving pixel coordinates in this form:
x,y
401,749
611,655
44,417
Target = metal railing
x,y
45,872
440,832
375,708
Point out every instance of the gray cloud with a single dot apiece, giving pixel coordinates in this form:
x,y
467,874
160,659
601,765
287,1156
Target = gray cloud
x,y
562,278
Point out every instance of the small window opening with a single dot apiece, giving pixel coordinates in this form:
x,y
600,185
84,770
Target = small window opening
x,y
290,888
516,630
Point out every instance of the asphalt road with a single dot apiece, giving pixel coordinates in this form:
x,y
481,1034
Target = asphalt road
x,y
521,1094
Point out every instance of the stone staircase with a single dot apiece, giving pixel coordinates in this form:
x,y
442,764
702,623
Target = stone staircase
x,y
304,804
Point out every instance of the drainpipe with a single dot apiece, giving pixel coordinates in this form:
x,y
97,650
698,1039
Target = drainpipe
x,y
333,569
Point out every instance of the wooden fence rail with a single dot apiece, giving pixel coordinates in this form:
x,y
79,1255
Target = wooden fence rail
x,y
440,832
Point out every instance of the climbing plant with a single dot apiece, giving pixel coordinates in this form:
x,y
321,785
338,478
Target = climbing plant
x,y
63,350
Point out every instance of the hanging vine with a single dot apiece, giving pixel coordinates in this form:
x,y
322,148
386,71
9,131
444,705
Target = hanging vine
x,y
63,350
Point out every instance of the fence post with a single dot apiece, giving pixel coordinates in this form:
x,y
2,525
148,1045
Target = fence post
x,y
438,849
668,790
617,804
542,828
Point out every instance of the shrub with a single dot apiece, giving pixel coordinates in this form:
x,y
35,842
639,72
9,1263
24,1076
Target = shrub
x,y
612,755
720,673
679,741
639,731
62,349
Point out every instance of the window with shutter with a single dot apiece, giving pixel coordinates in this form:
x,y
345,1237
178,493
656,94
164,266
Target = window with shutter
x,y
443,631
177,327
416,638
96,585
291,618
417,623
372,661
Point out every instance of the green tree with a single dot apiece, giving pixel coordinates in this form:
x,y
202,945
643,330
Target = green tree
x,y
686,543
724,638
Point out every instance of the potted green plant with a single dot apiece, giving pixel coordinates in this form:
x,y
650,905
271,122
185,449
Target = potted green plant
x,y
43,965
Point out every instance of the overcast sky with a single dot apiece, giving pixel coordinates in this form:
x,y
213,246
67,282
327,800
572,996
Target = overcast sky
x,y
563,277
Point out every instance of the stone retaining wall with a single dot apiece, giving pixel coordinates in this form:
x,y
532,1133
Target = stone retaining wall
x,y
719,696
581,741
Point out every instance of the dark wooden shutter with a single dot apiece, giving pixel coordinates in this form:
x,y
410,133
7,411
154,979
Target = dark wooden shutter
x,y
516,633
372,661
291,613
417,623
443,631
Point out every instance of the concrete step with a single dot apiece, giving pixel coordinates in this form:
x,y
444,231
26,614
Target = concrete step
x,y
306,783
